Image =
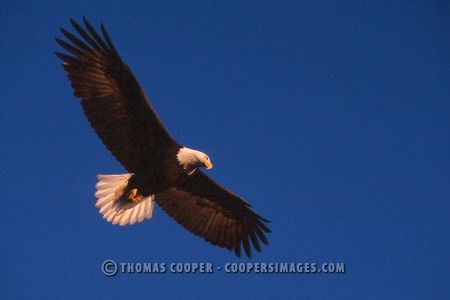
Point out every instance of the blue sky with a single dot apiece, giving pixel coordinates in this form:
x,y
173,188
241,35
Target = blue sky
x,y
330,117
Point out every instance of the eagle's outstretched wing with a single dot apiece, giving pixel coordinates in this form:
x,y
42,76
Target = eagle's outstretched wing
x,y
208,210
112,99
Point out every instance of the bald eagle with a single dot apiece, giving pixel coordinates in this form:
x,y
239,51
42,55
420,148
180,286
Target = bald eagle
x,y
160,169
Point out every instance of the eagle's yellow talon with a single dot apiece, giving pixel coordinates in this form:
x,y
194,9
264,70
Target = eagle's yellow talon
x,y
133,196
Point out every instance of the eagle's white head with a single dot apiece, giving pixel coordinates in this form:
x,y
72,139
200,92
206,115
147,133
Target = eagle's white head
x,y
191,159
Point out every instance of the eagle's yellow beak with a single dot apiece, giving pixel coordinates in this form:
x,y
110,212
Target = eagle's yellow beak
x,y
207,163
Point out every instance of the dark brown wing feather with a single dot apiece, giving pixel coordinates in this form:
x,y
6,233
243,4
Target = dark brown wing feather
x,y
212,212
112,99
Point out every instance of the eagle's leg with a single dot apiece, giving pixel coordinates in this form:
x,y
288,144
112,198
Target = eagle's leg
x,y
133,196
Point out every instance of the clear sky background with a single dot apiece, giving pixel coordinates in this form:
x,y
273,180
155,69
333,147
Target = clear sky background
x,y
330,117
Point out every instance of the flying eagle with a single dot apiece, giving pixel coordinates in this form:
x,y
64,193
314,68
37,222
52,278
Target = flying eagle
x,y
160,169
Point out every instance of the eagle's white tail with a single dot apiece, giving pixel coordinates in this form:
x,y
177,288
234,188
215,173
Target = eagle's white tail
x,y
110,189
